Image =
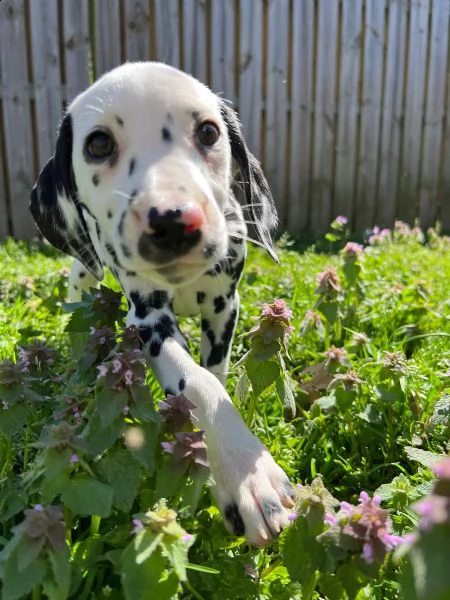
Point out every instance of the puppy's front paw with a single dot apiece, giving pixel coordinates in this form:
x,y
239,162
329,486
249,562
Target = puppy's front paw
x,y
252,491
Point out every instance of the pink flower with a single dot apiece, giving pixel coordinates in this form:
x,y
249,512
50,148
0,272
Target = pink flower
x,y
341,220
442,468
328,283
117,365
187,537
352,250
74,458
277,311
329,519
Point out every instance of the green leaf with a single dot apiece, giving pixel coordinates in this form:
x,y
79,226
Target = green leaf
x,y
16,584
424,457
302,553
149,580
28,550
145,451
177,553
87,496
110,405
371,414
261,374
326,403
99,438
286,396
56,461
57,583
142,407
122,471
429,558
241,389
13,419
145,543
441,411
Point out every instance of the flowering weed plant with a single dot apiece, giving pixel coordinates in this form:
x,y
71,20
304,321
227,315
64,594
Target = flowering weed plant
x,y
340,365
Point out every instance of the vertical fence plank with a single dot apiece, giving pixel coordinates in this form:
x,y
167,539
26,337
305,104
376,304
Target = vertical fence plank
x,y
4,216
435,113
324,121
366,187
106,37
414,104
16,114
46,75
137,30
250,72
392,113
167,32
276,102
223,48
195,49
301,115
75,47
348,108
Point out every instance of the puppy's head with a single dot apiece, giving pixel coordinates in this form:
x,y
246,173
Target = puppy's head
x,y
141,176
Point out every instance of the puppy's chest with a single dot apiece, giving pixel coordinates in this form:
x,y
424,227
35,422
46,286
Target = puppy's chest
x,y
203,295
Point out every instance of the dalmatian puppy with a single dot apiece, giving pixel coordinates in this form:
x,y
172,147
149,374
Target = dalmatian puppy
x,y
141,182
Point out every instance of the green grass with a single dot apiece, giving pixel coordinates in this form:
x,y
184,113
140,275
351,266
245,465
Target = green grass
x,y
355,439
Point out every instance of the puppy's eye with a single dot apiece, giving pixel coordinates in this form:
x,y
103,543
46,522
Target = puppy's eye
x,y
99,146
208,133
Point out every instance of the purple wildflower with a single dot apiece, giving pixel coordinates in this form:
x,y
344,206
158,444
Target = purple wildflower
x,y
328,283
352,250
188,445
176,410
138,526
277,311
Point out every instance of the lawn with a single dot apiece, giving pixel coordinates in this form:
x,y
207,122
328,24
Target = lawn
x,y
351,394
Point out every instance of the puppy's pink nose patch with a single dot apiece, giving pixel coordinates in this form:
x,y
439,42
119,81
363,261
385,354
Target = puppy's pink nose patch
x,y
193,219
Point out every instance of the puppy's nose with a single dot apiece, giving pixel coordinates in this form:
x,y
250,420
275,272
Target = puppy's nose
x,y
176,229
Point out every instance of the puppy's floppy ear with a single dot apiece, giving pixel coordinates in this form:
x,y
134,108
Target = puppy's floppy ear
x,y
55,206
256,188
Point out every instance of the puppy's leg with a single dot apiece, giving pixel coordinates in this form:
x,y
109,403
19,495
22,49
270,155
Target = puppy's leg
x,y
80,281
251,490
218,325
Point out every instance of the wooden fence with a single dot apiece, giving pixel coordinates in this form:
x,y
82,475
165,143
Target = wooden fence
x,y
344,101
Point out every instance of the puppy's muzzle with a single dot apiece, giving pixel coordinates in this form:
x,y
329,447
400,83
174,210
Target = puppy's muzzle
x,y
171,233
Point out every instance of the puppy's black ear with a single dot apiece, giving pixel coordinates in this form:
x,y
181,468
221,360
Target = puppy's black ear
x,y
55,206
256,189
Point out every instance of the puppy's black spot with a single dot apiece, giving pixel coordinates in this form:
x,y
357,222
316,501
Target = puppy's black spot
x,y
95,179
219,350
209,250
133,195
158,299
166,135
121,223
126,251
82,274
216,355
270,507
236,240
145,333
195,115
219,304
155,349
110,215
131,273
233,516
97,229
181,384
205,325
131,166
141,307
289,489
119,121
75,287
200,297
164,327
169,392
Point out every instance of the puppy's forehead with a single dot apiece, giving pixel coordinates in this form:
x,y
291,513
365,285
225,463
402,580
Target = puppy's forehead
x,y
136,91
